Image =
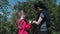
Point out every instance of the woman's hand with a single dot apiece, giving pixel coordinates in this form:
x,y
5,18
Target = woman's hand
x,y
30,21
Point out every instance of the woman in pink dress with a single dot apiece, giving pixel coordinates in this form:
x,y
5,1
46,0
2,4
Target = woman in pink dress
x,y
23,26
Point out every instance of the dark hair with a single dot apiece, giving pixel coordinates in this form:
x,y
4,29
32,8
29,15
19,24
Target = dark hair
x,y
40,4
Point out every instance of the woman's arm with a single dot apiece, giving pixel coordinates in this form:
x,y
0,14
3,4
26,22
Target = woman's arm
x,y
24,25
17,23
28,25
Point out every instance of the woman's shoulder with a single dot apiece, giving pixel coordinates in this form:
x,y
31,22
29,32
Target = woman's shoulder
x,y
23,19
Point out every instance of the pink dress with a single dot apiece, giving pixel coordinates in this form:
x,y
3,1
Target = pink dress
x,y
24,27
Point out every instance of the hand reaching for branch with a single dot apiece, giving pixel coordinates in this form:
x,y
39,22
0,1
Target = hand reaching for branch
x,y
30,21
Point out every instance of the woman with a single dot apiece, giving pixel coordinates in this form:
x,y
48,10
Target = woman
x,y
22,24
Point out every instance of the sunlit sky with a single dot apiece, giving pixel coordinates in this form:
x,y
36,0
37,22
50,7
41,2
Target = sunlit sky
x,y
58,1
13,2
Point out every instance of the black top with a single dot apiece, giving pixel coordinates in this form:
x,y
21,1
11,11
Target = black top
x,y
45,16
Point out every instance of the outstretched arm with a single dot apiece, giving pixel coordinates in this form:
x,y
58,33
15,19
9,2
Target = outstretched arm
x,y
40,19
38,22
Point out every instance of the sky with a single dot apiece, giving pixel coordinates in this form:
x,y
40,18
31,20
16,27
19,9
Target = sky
x,y
13,2
58,1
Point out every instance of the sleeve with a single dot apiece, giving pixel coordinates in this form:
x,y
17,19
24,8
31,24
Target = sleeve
x,y
28,26
41,15
22,24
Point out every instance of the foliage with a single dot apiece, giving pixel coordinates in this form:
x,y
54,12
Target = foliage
x,y
8,26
